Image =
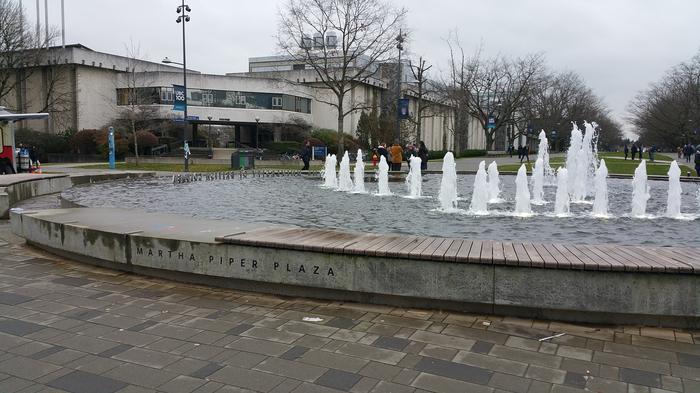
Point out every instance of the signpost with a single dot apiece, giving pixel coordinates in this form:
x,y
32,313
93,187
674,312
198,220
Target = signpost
x,y
111,148
318,153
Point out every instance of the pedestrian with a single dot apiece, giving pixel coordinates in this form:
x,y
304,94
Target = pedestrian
x,y
697,162
520,153
679,151
375,157
306,155
510,150
688,151
423,154
652,150
381,149
396,156
634,151
525,154
627,151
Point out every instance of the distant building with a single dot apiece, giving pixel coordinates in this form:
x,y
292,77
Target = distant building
x,y
86,89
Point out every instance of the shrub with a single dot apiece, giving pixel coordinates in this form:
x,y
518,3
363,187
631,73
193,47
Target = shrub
x,y
330,139
43,143
146,140
436,154
121,144
84,142
282,147
472,153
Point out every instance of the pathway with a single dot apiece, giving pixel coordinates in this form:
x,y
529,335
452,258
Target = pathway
x,y
69,327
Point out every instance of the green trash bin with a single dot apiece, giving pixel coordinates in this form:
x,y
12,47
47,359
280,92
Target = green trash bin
x,y
243,159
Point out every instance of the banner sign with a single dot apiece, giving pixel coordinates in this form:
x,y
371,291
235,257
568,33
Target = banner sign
x,y
403,109
318,153
179,97
111,148
491,123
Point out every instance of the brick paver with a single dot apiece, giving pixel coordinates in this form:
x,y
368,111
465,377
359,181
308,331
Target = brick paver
x,y
70,327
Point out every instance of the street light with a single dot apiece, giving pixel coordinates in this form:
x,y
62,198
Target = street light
x,y
257,139
183,18
399,45
209,146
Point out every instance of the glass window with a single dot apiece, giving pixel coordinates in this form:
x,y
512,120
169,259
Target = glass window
x,y
277,102
241,99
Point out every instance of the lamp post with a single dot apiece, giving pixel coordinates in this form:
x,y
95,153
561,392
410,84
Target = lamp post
x,y
210,150
257,139
183,18
399,45
554,141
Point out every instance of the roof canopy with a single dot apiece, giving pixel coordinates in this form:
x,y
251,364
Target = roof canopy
x,y
5,115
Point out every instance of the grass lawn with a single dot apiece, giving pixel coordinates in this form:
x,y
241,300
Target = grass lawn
x,y
619,154
614,167
192,167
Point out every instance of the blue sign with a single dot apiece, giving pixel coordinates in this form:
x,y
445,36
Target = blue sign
x,y
179,94
403,109
111,148
318,153
491,122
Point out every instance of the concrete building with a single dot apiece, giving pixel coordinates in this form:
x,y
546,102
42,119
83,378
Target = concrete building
x,y
86,89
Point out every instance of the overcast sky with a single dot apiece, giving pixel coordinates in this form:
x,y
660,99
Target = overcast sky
x,y
617,46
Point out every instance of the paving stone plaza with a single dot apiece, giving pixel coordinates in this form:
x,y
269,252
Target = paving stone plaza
x,y
71,327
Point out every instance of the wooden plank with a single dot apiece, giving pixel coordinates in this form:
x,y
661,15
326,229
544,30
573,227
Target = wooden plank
x,y
628,263
338,244
509,254
615,265
683,267
573,260
671,264
417,252
588,262
402,241
636,253
523,258
562,262
499,257
428,252
633,258
475,252
372,250
402,250
360,248
451,253
547,258
439,253
535,258
463,253
487,251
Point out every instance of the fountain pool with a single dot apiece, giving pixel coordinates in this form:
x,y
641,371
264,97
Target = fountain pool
x,y
303,202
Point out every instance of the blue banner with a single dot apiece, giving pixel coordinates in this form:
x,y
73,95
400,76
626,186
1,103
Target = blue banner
x,y
111,148
179,95
491,123
403,109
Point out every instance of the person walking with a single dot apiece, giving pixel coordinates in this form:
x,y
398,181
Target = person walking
x,y
525,154
381,149
697,162
423,154
306,155
375,158
652,150
627,151
634,151
520,153
396,156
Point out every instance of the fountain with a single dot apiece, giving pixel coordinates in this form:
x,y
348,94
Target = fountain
x,y
640,190
582,154
344,179
673,204
359,174
383,178
600,203
494,183
538,182
480,192
448,184
522,193
543,153
414,179
330,179
561,203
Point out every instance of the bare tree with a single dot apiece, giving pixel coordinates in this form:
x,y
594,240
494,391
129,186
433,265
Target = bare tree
x,y
420,89
365,36
668,112
19,50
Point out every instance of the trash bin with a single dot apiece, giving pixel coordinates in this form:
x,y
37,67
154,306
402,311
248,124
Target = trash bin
x,y
243,159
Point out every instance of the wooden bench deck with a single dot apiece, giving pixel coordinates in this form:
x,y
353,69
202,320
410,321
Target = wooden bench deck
x,y
489,252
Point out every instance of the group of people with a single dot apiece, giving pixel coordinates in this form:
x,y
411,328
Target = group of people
x,y
395,155
640,150
687,152
523,152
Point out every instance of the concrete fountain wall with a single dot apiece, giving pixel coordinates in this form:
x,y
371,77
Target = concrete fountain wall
x,y
389,269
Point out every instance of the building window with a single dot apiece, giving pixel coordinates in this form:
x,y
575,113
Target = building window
x,y
166,94
241,99
298,67
276,102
